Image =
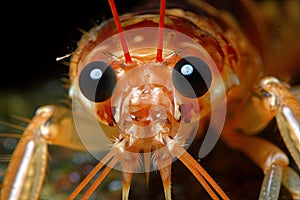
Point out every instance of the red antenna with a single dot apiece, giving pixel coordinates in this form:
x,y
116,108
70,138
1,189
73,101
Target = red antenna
x,y
160,30
119,28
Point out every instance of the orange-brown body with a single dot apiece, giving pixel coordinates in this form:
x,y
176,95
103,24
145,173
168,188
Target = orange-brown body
x,y
146,115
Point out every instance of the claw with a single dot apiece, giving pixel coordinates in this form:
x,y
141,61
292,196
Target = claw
x,y
287,107
290,131
271,184
31,153
291,181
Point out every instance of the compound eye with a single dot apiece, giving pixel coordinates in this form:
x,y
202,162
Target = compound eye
x,y
97,81
191,77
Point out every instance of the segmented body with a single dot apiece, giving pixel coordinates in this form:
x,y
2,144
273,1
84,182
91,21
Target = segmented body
x,y
219,37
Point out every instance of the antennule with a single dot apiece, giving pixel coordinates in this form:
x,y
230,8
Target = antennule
x,y
119,28
160,30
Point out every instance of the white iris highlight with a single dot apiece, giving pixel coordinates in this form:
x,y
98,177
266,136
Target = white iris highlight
x,y
187,69
96,74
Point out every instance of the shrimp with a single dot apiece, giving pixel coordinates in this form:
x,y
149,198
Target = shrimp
x,y
151,82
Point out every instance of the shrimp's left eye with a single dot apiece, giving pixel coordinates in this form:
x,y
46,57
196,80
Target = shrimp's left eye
x,y
191,77
97,81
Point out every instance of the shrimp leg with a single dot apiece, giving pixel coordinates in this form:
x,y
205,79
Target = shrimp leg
x,y
26,170
271,98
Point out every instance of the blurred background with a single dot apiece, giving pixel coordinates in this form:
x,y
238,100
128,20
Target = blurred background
x,y
33,35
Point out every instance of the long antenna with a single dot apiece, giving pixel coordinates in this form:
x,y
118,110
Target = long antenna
x,y
160,30
119,28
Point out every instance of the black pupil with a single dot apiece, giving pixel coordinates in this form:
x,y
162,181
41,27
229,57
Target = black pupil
x,y
97,81
192,77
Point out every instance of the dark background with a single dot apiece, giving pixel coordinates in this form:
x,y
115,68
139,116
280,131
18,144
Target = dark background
x,y
33,34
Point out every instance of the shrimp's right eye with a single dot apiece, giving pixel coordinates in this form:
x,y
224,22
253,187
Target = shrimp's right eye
x,y
97,81
192,77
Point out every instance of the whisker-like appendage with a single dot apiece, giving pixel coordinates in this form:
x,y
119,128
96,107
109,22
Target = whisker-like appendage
x,y
66,86
89,35
94,22
111,56
161,33
96,169
64,57
66,97
198,176
119,28
103,174
66,63
174,53
65,101
65,80
11,125
66,83
202,176
5,158
82,31
22,119
10,135
65,75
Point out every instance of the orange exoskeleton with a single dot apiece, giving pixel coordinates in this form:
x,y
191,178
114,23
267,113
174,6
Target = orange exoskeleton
x,y
152,81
